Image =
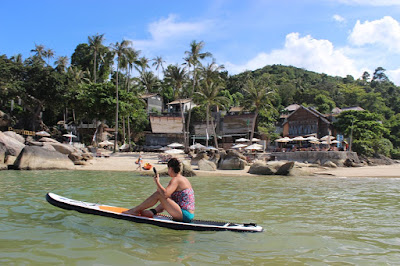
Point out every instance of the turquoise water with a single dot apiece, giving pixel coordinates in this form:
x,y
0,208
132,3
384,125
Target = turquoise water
x,y
314,221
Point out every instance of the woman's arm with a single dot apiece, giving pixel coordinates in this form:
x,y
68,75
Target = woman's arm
x,y
166,192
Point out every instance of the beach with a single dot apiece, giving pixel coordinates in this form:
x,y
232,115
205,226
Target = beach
x,y
126,162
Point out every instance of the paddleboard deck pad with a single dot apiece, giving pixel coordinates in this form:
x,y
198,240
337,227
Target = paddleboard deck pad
x,y
158,220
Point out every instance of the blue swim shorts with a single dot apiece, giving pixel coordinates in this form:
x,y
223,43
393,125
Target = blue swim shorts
x,y
187,216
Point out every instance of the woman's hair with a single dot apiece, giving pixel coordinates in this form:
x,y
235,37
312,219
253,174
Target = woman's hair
x,y
174,164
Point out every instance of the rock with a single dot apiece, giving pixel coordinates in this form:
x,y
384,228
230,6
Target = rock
x,y
261,168
10,160
234,163
3,151
330,164
12,146
80,163
206,165
285,168
37,158
186,169
62,148
48,147
348,163
15,136
3,166
201,155
75,156
87,156
45,139
215,158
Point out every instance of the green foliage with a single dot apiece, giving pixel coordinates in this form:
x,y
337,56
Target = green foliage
x,y
382,146
395,153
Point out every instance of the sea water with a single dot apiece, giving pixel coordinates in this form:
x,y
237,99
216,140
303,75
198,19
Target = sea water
x,y
307,220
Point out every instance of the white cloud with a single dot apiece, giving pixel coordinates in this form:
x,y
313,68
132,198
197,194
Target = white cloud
x,y
385,31
339,18
304,52
394,75
371,2
168,31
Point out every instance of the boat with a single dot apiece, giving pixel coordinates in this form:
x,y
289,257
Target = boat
x,y
157,220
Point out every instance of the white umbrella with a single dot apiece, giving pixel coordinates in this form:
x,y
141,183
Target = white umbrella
x,y
242,140
174,151
315,142
311,138
211,148
255,140
175,145
238,146
285,139
334,141
197,146
70,136
43,134
299,138
327,137
106,143
254,147
164,148
324,142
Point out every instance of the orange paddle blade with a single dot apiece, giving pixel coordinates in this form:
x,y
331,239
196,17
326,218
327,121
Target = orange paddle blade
x,y
113,209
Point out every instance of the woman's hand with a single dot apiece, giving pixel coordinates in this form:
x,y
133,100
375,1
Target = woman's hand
x,y
156,178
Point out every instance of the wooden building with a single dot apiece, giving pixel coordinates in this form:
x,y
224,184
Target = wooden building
x,y
306,121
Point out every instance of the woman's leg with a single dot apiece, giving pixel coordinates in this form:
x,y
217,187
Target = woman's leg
x,y
167,203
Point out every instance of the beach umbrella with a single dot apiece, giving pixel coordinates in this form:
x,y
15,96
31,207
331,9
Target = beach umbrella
x,y
299,138
255,140
315,142
238,146
283,140
211,148
254,147
70,136
242,140
106,143
175,145
197,146
164,148
327,137
43,134
311,138
324,142
335,141
174,151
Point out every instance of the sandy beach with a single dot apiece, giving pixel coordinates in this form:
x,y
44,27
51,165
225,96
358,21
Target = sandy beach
x,y
126,162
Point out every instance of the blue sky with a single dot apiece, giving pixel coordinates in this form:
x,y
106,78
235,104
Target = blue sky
x,y
336,37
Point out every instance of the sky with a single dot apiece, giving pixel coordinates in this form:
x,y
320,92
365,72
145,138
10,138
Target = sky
x,y
335,37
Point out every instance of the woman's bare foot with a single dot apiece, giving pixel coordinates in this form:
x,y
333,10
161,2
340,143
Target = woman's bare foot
x,y
132,212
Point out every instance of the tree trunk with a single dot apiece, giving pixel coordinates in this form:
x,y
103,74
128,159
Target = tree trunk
x,y
94,66
253,126
207,123
214,132
116,115
183,123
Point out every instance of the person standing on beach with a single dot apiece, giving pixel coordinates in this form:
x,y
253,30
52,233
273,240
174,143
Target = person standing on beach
x,y
177,198
139,162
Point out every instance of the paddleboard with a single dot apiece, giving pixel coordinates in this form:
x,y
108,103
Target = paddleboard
x,y
158,220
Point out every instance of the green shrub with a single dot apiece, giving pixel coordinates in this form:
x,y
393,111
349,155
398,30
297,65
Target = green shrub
x,y
395,153
382,146
363,147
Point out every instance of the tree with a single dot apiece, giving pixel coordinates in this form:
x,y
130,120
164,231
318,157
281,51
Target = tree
x,y
40,52
95,44
119,50
61,64
193,57
158,63
209,96
49,53
379,75
257,97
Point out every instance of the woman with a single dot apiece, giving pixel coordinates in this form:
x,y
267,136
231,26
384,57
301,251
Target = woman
x,y
177,198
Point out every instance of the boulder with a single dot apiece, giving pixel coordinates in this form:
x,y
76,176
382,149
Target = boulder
x,y
232,163
62,148
261,168
186,169
215,158
37,158
48,147
201,155
206,165
285,168
45,139
15,136
3,151
330,164
10,160
75,156
12,146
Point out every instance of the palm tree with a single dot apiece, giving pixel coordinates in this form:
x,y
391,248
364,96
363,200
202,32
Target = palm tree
x,y
61,63
158,62
193,57
49,53
95,44
142,64
257,97
39,51
176,76
209,96
17,58
120,50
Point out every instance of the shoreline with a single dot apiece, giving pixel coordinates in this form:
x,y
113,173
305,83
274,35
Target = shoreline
x,y
125,162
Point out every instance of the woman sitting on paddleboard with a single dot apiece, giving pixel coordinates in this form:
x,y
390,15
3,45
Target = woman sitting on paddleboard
x,y
177,198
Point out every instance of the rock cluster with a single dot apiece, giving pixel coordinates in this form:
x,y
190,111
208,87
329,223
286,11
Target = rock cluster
x,y
17,152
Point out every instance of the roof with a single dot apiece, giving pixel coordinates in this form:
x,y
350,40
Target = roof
x,y
312,111
236,109
180,101
148,95
337,110
292,107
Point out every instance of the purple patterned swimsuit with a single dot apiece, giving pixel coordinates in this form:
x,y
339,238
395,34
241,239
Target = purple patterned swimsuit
x,y
184,198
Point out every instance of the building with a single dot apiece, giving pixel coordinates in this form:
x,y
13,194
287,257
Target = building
x,y
154,103
306,121
175,106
